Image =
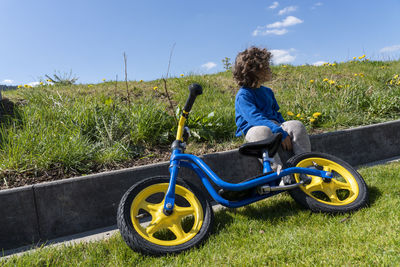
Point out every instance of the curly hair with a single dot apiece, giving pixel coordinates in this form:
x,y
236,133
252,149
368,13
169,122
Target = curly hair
x,y
249,64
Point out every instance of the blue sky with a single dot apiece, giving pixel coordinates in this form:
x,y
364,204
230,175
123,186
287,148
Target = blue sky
x,y
89,37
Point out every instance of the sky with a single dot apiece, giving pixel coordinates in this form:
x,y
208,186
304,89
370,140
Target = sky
x,y
88,37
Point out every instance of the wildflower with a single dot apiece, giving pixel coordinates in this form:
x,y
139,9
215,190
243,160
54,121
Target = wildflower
x,y
355,74
155,88
354,58
311,81
391,82
298,115
383,67
334,64
284,66
90,85
361,74
290,113
325,80
26,86
103,80
312,120
396,76
363,56
182,75
316,114
331,82
141,81
48,80
340,86
19,86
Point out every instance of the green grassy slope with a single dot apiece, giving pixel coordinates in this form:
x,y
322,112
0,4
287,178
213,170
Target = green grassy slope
x,y
79,129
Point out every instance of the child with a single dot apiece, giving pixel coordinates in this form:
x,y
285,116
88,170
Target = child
x,y
257,112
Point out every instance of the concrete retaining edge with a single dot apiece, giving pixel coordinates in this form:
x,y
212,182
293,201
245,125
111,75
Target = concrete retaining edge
x,y
37,213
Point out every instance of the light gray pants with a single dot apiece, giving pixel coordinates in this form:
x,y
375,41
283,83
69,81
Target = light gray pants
x,y
297,132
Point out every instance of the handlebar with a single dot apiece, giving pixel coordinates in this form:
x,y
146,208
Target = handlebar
x,y
194,90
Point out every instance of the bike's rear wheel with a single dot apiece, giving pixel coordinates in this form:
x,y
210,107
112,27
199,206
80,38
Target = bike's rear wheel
x,y
345,192
146,228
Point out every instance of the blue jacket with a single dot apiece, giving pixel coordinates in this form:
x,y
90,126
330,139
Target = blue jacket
x,y
257,107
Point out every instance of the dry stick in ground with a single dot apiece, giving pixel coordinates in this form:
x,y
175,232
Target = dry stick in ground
x,y
165,85
126,80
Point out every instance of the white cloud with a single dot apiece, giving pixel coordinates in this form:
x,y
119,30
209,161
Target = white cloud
x,y
288,21
287,10
276,26
316,5
263,31
209,65
282,56
33,84
390,49
274,5
7,81
319,63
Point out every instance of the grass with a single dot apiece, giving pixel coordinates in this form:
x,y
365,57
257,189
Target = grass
x,y
275,231
80,129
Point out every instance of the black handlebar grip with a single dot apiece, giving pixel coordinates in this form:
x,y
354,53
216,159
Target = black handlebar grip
x,y
194,90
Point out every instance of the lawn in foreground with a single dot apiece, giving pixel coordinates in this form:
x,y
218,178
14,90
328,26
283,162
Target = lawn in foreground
x,y
276,231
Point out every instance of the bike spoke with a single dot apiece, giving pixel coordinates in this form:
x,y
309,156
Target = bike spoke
x,y
315,185
176,228
154,226
150,207
183,211
341,185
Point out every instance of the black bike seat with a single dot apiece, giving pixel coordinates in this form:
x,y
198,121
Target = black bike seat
x,y
255,149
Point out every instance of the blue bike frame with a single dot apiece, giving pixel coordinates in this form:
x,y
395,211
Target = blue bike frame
x,y
179,159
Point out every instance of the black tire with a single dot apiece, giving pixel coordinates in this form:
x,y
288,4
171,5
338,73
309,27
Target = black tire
x,y
335,196
170,237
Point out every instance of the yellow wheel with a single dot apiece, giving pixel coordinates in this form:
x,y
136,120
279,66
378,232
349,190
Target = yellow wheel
x,y
345,192
146,228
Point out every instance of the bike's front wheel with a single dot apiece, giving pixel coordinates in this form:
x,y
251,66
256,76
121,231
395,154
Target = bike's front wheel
x,y
345,192
146,228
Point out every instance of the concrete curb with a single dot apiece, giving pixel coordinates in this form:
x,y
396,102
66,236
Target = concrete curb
x,y
46,211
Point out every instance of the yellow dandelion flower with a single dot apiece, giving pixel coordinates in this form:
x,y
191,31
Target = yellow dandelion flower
x,y
331,82
182,75
19,86
355,74
361,74
48,80
312,120
90,85
298,115
26,86
290,113
391,82
311,81
396,76
354,58
284,66
325,80
398,83
103,80
41,83
363,56
334,64
316,114
301,118
340,86
155,88
141,81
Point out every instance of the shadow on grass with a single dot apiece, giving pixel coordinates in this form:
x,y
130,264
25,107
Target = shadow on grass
x,y
274,213
374,194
